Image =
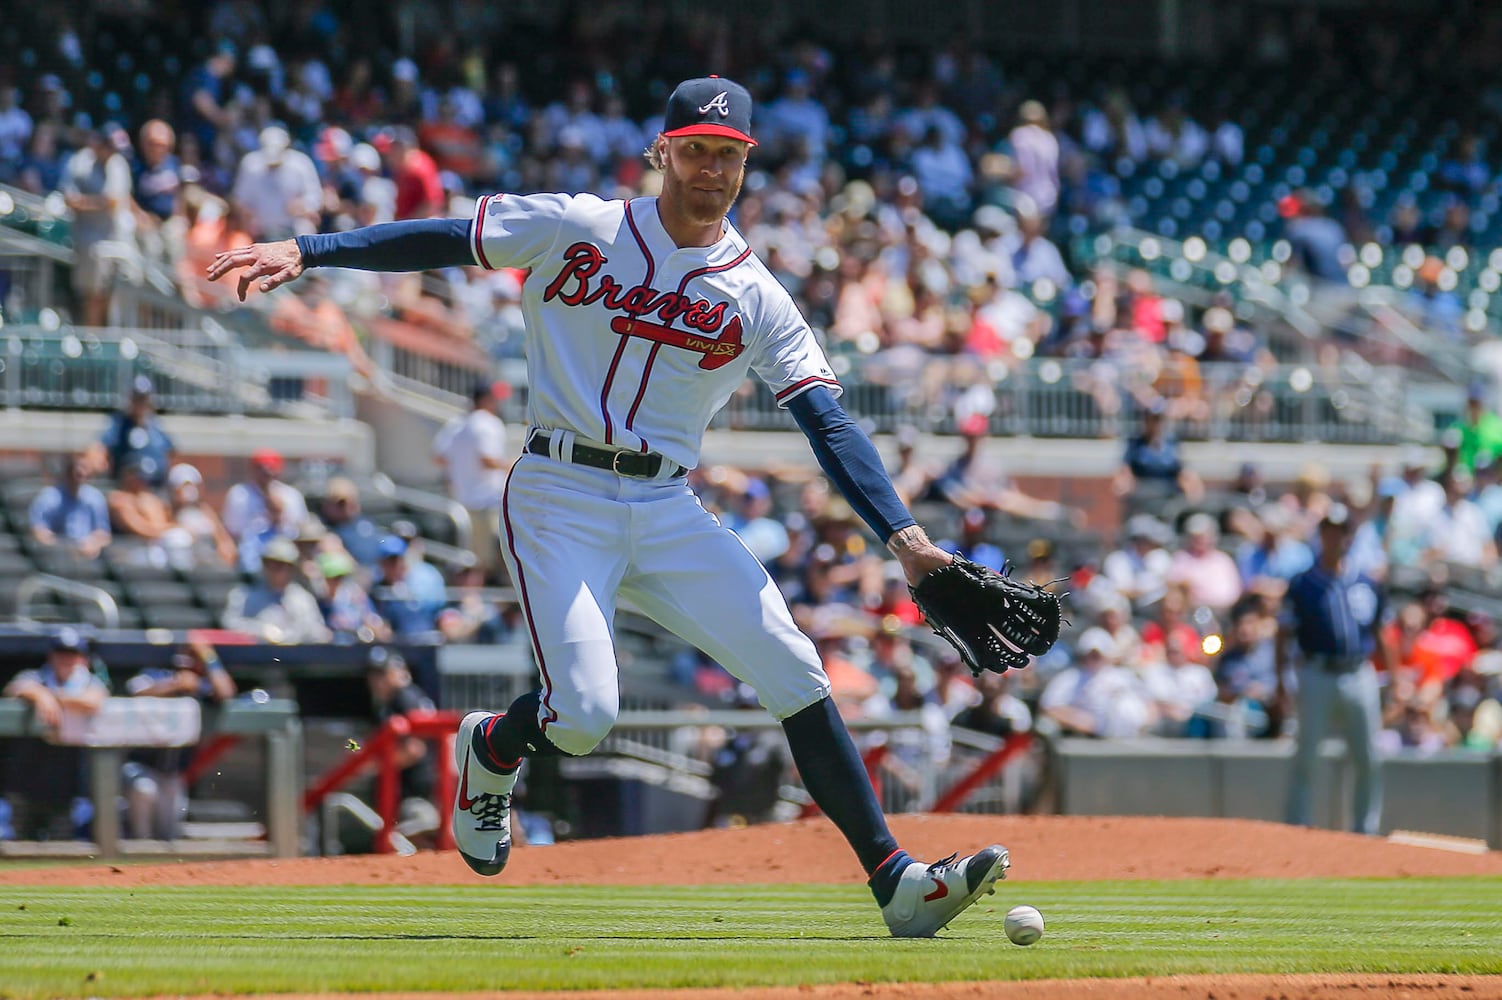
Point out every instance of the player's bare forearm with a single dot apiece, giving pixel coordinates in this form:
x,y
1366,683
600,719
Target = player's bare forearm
x,y
916,553
267,265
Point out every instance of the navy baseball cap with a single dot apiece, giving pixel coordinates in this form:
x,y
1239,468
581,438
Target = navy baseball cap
x,y
710,105
69,640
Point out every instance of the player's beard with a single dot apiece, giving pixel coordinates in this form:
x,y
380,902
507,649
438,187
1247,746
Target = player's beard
x,y
701,207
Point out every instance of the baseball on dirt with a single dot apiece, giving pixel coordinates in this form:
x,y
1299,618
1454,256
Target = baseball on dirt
x,y
1024,924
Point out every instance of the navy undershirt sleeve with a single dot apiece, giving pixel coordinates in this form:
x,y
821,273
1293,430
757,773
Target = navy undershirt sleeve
x,y
415,245
850,459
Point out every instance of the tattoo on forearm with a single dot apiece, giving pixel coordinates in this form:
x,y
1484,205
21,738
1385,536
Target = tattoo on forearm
x,y
908,539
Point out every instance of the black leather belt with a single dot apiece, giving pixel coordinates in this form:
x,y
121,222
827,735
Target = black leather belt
x,y
633,464
1336,664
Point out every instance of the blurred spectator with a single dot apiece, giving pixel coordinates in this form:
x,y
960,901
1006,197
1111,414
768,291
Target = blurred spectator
x,y
1433,306
1209,576
473,617
15,133
341,513
798,120
394,695
263,507
1139,570
1177,688
997,710
1247,672
43,781
312,540
972,540
277,191
1480,428
136,511
96,188
1459,532
1168,623
1315,237
1273,553
419,192
134,432
1095,697
1035,151
1151,469
425,579
973,481
276,608
944,176
348,609
1369,546
205,539
1335,617
207,93
1034,256
156,797
159,179
71,514
752,522
407,613
472,451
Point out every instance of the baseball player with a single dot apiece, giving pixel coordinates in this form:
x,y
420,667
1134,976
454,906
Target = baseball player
x,y
642,317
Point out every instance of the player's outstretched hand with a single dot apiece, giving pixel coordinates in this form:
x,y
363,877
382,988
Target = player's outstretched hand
x,y
274,264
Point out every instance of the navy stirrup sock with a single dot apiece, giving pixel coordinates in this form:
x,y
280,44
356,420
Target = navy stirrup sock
x,y
505,740
836,780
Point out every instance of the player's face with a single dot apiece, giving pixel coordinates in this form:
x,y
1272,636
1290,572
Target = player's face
x,y
704,174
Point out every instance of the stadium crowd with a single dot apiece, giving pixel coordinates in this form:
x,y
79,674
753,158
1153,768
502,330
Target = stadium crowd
x,y
919,209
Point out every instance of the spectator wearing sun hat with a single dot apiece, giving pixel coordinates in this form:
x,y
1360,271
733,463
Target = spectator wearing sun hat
x,y
276,608
348,610
1095,697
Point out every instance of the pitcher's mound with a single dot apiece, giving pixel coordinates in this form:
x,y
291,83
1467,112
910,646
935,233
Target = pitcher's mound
x,y
1043,848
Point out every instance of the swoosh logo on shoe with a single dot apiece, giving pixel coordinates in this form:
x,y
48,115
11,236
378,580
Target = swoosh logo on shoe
x,y
465,802
940,890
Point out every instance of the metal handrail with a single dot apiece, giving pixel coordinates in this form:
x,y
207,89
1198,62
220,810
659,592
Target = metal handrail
x,y
429,502
48,583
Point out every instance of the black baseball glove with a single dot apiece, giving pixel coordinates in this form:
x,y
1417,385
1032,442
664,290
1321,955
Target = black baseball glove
x,y
995,622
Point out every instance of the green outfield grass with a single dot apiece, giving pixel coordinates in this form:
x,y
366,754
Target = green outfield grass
x,y
114,942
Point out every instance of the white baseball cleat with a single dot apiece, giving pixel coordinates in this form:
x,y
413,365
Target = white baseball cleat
x,y
482,807
928,897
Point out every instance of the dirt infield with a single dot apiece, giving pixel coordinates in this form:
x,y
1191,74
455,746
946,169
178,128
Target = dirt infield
x,y
1044,848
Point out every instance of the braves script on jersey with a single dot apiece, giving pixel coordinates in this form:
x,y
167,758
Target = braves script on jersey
x,y
632,340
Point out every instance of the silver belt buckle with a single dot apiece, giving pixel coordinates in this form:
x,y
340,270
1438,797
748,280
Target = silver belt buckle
x,y
615,464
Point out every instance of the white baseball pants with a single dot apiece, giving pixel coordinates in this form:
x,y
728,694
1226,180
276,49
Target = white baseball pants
x,y
575,537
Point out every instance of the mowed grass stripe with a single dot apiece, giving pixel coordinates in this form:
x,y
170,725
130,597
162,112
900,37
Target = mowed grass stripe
x,y
177,940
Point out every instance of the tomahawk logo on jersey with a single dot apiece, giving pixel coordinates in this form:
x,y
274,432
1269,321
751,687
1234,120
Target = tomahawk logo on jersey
x,y
639,349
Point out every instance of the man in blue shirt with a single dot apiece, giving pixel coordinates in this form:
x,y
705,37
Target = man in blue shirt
x,y
135,432
396,600
71,513
1334,614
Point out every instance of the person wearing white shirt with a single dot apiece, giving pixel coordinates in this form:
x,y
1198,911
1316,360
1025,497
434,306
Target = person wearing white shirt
x,y
1178,687
262,508
278,188
472,450
1095,697
1139,571
1458,532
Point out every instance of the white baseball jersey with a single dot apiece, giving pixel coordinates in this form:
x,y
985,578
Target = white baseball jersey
x,y
632,340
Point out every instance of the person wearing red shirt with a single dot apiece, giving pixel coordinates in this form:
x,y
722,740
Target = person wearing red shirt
x,y
419,193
